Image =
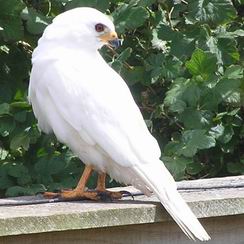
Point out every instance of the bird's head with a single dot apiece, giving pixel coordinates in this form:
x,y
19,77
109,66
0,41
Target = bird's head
x,y
82,26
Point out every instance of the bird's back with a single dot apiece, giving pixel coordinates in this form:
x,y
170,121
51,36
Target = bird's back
x,y
92,97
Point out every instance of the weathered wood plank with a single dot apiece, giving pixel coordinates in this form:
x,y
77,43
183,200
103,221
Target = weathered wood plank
x,y
223,230
213,183
63,216
184,186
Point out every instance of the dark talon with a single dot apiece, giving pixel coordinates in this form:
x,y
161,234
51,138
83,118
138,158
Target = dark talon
x,y
127,194
104,196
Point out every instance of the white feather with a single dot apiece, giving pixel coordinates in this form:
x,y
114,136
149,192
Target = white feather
x,y
89,107
158,179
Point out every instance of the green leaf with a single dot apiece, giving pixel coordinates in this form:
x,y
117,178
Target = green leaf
x,y
215,11
15,191
196,119
5,91
118,63
192,94
154,64
20,116
229,147
217,131
24,179
182,94
166,33
98,4
158,43
235,168
67,183
182,48
15,71
20,140
228,50
134,75
50,166
56,165
129,17
171,149
17,170
229,90
202,63
22,105
144,3
172,68
10,20
36,22
164,67
7,125
234,72
123,56
225,50
173,98
177,166
209,99
5,182
194,168
178,106
226,135
4,108
194,140
37,188
221,32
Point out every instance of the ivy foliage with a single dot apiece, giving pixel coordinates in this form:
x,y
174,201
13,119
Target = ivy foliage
x,y
183,61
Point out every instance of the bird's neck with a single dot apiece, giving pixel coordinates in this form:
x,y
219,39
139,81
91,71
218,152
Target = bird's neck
x,y
48,50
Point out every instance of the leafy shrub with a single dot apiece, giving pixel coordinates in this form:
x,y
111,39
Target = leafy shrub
x,y
183,61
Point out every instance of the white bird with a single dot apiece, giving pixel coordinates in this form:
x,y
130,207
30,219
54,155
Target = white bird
x,y
77,96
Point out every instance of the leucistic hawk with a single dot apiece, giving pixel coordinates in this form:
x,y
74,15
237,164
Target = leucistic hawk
x,y
77,96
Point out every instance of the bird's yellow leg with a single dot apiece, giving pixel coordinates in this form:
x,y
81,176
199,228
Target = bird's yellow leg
x,y
101,185
101,189
100,193
79,192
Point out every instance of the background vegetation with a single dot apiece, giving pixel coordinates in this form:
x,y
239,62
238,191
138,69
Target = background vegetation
x,y
183,61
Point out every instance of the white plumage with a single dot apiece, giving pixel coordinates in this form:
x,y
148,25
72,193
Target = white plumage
x,y
88,106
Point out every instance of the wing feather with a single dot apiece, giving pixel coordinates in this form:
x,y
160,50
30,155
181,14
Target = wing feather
x,y
99,106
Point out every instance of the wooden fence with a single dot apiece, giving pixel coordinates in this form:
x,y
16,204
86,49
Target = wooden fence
x,y
219,203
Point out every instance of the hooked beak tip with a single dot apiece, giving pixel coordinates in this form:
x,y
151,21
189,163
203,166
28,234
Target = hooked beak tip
x,y
115,42
111,38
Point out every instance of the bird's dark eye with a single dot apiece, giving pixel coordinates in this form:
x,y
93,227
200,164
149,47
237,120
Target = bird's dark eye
x,y
99,27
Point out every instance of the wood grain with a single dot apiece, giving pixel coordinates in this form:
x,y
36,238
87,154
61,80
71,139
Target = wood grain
x,y
223,230
219,202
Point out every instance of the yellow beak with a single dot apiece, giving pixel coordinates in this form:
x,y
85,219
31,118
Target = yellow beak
x,y
109,36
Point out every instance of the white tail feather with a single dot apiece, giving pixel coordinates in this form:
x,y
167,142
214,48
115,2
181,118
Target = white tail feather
x,y
159,180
